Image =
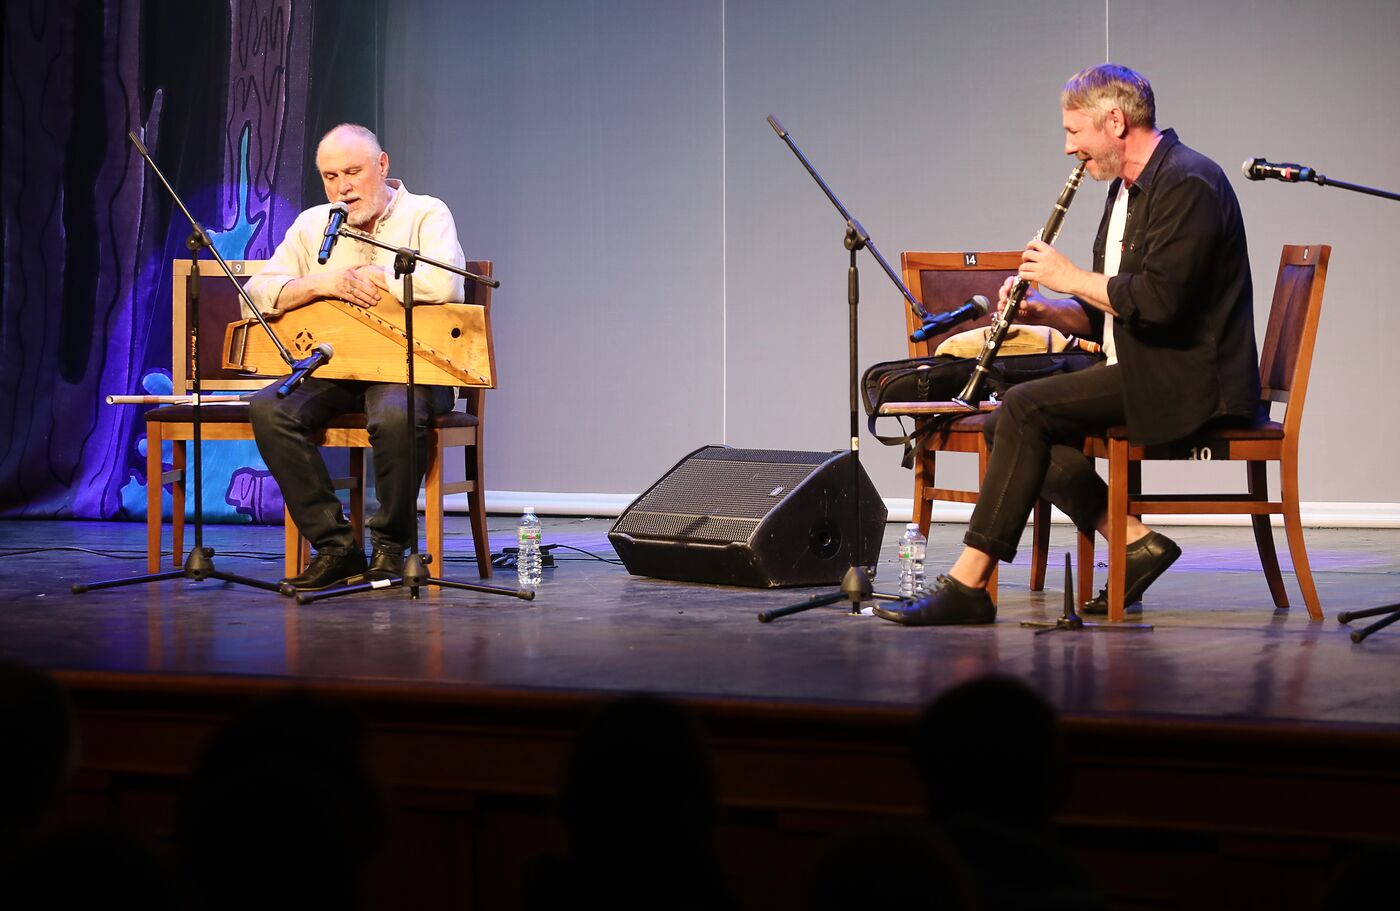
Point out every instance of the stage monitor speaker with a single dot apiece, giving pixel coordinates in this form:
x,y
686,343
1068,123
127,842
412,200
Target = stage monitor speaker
x,y
762,518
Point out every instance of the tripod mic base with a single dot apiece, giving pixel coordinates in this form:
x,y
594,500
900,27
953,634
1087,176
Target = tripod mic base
x,y
1071,621
855,589
1388,613
1077,623
414,578
856,586
199,566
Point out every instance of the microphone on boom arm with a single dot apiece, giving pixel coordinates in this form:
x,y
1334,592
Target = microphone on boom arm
x,y
1259,169
938,323
304,368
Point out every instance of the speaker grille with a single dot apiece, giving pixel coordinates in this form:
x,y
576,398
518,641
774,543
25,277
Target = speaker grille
x,y
707,529
780,456
720,494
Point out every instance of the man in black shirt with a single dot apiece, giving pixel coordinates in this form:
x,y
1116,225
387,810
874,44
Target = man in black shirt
x,y
1171,298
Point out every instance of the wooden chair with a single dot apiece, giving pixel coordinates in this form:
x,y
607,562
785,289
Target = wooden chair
x,y
456,428
1284,364
942,282
174,423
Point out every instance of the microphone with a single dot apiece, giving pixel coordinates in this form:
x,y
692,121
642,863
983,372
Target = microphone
x,y
1258,169
305,367
938,323
338,212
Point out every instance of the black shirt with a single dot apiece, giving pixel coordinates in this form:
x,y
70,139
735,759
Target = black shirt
x,y
1184,298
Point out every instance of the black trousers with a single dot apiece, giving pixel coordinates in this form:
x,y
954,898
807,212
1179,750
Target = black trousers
x,y
284,428
1037,439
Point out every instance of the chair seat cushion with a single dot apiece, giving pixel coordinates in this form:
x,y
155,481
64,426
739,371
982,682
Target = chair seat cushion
x,y
1225,443
238,414
209,414
1266,430
356,421
973,423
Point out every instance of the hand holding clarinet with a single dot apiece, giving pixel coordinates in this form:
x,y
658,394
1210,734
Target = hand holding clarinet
x,y
1038,254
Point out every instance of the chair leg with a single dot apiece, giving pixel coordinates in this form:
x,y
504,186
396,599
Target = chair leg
x,y
1258,477
1085,583
983,457
1118,483
1040,543
294,546
1293,525
476,511
923,478
432,507
357,494
177,506
154,520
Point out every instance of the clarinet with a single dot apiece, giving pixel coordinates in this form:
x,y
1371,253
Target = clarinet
x,y
997,334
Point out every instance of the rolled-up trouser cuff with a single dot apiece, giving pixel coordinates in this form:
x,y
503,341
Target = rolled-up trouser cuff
x,y
992,548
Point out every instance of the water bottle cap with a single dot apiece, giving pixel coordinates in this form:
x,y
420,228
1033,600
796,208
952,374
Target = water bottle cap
x,y
530,510
912,526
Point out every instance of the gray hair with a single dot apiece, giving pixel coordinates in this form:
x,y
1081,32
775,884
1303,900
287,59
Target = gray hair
x,y
1099,89
359,132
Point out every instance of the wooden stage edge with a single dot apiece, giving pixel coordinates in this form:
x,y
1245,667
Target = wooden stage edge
x,y
830,766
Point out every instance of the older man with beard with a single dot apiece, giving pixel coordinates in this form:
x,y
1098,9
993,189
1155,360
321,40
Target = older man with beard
x,y
355,172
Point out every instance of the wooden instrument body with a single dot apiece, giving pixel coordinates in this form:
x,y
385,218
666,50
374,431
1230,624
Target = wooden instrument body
x,y
451,343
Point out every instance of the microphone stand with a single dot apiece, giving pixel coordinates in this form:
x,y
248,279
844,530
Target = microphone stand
x,y
1070,619
856,587
415,571
199,564
1389,613
1322,180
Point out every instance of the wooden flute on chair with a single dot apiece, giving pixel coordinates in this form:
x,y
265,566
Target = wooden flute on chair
x,y
996,333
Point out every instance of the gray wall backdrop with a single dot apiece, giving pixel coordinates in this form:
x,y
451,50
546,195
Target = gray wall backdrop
x,y
672,278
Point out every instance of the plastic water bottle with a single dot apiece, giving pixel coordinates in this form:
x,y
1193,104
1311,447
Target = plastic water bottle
x,y
529,566
912,548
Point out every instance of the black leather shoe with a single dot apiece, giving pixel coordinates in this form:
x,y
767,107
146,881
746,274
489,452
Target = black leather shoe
x,y
950,604
326,570
1147,558
384,565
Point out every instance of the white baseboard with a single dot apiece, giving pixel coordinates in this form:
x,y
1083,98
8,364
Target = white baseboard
x,y
1315,515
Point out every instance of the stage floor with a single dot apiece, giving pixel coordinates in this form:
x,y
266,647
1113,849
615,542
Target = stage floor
x,y
1220,652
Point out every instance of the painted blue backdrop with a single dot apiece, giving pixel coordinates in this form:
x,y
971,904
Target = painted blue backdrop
x,y
230,98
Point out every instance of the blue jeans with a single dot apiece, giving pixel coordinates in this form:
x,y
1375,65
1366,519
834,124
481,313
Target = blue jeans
x,y
284,429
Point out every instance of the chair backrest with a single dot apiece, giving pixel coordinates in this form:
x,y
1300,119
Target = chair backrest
x,y
218,306
1285,359
944,281
479,294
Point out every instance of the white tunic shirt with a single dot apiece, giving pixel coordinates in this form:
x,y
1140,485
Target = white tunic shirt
x,y
422,223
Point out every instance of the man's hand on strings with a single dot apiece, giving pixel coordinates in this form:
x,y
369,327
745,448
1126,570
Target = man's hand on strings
x,y
362,286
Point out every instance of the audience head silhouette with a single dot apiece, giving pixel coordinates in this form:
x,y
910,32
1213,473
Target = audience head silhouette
x,y
991,748
281,810
639,808
36,729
